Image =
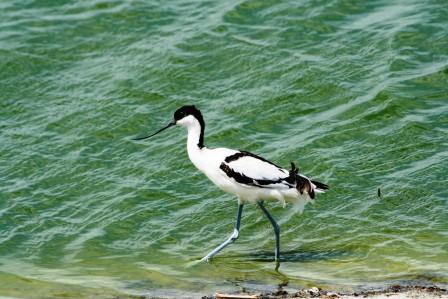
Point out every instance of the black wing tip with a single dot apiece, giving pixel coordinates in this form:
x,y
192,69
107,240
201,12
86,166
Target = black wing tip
x,y
320,185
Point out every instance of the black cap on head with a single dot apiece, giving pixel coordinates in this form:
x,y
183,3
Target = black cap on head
x,y
187,110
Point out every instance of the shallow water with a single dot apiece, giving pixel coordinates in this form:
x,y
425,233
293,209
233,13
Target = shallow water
x,y
355,93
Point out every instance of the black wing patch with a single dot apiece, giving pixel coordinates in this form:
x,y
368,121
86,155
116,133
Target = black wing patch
x,y
293,180
243,179
263,183
241,154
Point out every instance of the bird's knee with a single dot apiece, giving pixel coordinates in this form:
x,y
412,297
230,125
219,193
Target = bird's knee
x,y
235,235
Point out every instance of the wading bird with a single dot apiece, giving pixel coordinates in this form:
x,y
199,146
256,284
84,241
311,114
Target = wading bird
x,y
248,176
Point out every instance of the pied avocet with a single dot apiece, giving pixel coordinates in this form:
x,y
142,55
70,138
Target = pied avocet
x,y
248,176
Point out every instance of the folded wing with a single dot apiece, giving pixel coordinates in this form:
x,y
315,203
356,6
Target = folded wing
x,y
249,169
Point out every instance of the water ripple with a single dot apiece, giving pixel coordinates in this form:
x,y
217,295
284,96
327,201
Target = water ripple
x,y
355,93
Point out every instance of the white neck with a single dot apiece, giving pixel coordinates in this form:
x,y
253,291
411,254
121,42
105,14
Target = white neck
x,y
194,140
194,134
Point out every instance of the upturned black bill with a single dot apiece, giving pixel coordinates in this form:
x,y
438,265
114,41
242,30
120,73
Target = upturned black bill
x,y
164,128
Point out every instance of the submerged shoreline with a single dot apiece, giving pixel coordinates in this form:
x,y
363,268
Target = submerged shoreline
x,y
392,292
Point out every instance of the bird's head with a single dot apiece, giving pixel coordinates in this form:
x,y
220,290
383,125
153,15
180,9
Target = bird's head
x,y
186,116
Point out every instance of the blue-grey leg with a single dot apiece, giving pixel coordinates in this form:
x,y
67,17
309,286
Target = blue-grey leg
x,y
231,239
276,231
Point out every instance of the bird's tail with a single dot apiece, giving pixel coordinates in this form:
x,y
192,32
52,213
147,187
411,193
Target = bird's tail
x,y
320,187
305,185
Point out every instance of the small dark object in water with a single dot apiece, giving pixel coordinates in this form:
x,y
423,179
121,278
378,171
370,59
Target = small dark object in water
x,y
379,192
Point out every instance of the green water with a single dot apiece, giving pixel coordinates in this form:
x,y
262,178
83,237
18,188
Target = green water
x,y
355,92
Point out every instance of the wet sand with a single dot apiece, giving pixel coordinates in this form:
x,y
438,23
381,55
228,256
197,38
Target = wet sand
x,y
393,292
